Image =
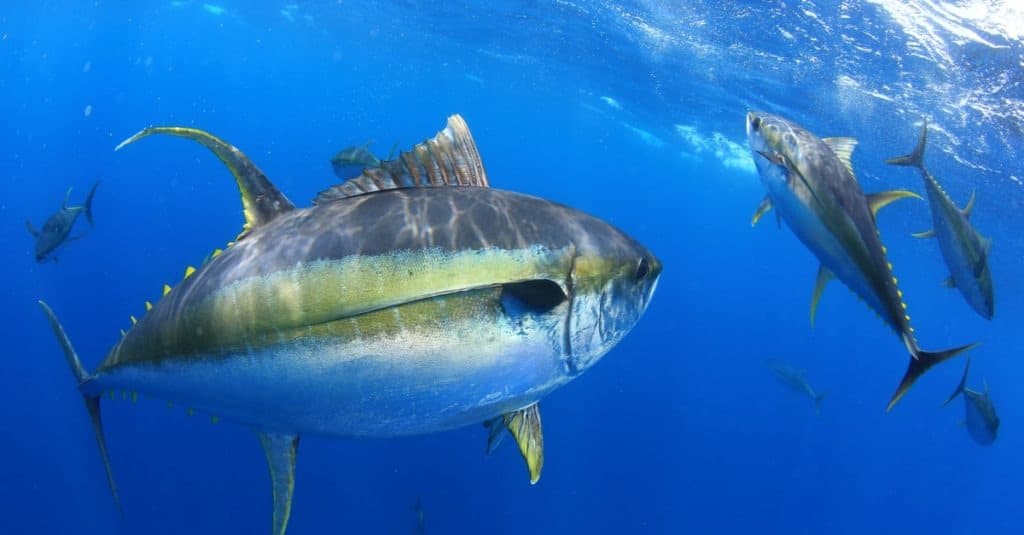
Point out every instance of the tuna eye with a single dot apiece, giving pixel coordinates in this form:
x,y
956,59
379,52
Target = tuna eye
x,y
531,297
643,268
755,123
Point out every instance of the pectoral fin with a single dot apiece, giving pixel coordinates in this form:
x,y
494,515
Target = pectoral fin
x,y
876,201
280,450
925,234
824,275
766,204
524,425
35,233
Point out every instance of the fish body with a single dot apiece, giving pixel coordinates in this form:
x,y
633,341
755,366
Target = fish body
x,y
980,416
56,230
796,380
811,185
964,249
412,299
351,161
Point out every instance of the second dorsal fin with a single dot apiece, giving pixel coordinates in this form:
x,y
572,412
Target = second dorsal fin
x,y
261,200
448,159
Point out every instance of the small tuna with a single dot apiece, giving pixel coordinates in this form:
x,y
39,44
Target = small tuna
x,y
412,299
980,417
796,380
351,161
965,251
811,185
57,229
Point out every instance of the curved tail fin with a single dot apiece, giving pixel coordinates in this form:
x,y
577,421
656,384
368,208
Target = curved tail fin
x,y
92,403
88,203
818,398
920,362
916,158
963,383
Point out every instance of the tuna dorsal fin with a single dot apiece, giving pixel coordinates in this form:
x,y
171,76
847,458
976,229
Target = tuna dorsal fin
x,y
877,201
281,450
824,275
843,149
261,200
67,197
766,204
448,159
970,204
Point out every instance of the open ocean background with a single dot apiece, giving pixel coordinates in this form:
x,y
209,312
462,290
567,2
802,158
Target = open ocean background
x,y
631,111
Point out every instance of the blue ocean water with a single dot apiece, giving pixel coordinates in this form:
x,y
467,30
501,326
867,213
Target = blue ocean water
x,y
633,112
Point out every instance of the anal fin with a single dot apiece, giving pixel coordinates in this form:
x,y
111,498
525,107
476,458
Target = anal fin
x,y
824,275
766,204
281,450
877,201
926,234
524,425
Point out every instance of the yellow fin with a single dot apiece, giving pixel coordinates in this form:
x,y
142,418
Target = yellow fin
x,y
261,200
189,271
149,306
167,289
122,332
824,275
215,253
134,321
524,424
970,205
876,201
766,204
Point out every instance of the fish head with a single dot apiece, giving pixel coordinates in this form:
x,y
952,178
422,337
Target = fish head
x,y
612,281
776,144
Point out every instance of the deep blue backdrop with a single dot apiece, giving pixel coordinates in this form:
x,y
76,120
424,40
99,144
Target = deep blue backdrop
x,y
633,112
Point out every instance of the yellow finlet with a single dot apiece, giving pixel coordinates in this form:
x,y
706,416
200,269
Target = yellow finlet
x,y
167,289
214,419
149,306
215,253
122,332
134,321
190,411
135,397
170,404
189,271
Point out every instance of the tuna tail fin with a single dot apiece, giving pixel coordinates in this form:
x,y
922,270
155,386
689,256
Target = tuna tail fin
x,y
818,398
31,229
920,362
92,402
916,158
87,207
963,384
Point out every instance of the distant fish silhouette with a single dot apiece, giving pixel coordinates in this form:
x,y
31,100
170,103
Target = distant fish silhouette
x,y
794,379
57,229
420,525
980,417
350,162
